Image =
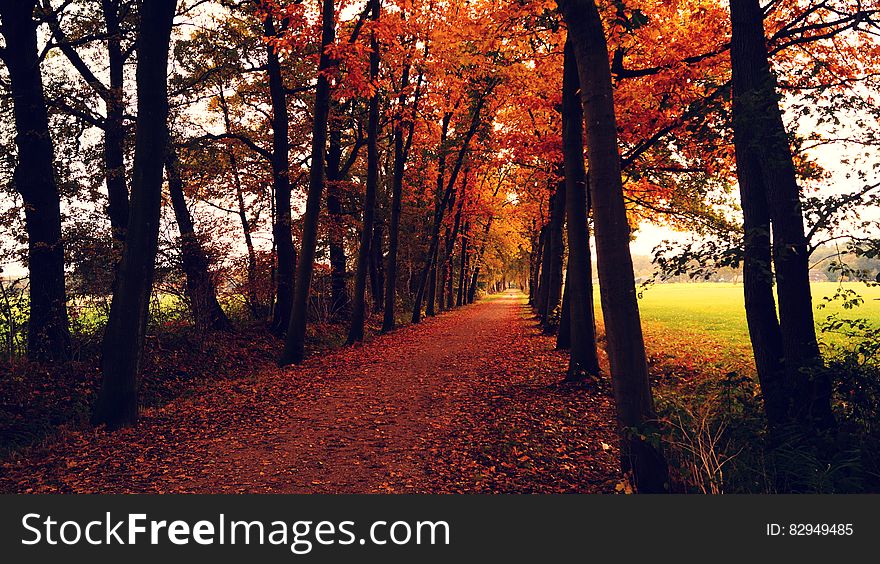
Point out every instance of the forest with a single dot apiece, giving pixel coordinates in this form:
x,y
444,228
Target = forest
x,y
388,246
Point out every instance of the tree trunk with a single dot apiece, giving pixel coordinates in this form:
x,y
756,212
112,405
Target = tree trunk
x,y
472,289
450,283
555,251
441,275
377,270
34,179
563,334
625,344
294,346
358,306
768,181
439,209
200,289
579,336
462,268
431,300
251,291
451,237
388,321
123,345
252,297
284,249
114,129
401,150
113,98
538,269
546,257
339,302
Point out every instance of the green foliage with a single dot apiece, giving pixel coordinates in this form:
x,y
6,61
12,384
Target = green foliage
x,y
714,426
717,442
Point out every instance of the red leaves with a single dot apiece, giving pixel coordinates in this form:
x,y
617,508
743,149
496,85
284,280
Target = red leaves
x,y
466,401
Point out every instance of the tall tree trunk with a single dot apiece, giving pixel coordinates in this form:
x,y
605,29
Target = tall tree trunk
x,y
462,268
441,276
294,346
123,345
539,269
377,270
439,209
760,303
200,288
358,308
768,181
252,297
284,249
472,288
450,238
546,257
388,320
467,265
555,251
563,334
34,179
251,292
431,300
450,282
625,343
401,151
113,97
580,332
114,129
339,302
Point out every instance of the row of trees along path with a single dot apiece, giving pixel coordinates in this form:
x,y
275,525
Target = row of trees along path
x,y
645,99
468,401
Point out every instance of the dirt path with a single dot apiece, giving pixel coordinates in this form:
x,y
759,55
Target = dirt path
x,y
465,401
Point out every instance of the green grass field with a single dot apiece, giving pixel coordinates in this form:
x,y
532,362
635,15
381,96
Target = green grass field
x,y
717,311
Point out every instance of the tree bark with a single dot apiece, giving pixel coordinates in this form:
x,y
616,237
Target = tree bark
x,y
123,345
251,291
294,346
358,307
462,268
34,179
439,209
252,297
580,332
377,270
563,334
431,299
388,320
769,189
284,248
401,151
200,288
555,250
451,237
625,344
113,97
472,288
340,304
538,269
114,129
544,278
